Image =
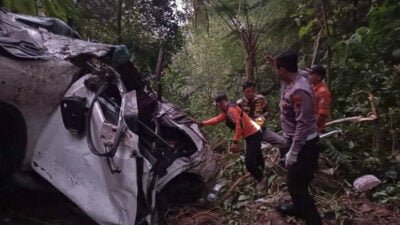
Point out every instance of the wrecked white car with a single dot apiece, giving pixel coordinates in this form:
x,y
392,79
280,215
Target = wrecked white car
x,y
80,114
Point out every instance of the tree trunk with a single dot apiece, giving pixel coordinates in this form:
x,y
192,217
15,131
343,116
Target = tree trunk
x,y
324,7
119,22
250,64
200,15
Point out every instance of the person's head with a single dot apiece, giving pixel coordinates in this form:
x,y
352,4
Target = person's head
x,y
221,100
249,89
316,74
286,64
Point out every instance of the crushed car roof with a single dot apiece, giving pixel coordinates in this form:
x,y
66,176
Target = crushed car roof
x,y
20,38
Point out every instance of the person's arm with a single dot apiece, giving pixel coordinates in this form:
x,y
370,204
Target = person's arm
x,y
221,117
265,108
239,102
303,108
321,120
234,115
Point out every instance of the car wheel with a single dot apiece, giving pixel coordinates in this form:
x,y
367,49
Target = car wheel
x,y
13,139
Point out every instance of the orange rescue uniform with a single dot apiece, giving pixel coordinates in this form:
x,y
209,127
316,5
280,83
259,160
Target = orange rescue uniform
x,y
244,125
322,104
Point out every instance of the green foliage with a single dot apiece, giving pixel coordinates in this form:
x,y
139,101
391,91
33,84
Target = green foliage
x,y
390,193
145,27
304,30
21,6
213,61
356,41
335,152
200,71
62,9
361,42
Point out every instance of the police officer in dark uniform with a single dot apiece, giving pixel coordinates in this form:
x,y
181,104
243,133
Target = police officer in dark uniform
x,y
299,127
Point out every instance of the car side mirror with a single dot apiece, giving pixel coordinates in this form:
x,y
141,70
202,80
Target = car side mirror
x,y
73,111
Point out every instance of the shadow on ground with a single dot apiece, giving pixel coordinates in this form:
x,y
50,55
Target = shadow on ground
x,y
38,206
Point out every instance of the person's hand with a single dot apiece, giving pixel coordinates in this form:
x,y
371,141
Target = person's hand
x,y
290,159
199,123
234,148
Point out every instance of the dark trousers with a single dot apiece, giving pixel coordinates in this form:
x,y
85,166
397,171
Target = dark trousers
x,y
253,157
299,178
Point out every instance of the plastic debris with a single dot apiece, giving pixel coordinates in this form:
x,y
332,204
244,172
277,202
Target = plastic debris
x,y
366,183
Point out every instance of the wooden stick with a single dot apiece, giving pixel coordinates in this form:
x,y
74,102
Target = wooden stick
x,y
233,187
218,144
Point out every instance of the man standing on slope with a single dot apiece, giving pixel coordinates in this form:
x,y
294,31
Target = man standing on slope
x,y
299,126
244,127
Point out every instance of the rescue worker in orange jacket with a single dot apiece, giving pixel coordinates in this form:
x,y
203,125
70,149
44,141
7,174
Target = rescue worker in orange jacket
x,y
245,127
322,100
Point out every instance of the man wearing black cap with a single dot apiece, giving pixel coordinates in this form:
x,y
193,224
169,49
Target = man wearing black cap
x,y
322,100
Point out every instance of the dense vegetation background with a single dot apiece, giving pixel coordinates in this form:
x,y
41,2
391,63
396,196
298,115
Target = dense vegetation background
x,y
214,45
358,41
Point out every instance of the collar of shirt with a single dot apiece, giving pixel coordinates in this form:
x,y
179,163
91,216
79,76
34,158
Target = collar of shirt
x,y
291,83
248,100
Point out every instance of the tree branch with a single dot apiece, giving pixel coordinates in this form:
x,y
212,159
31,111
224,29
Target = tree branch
x,y
371,116
316,46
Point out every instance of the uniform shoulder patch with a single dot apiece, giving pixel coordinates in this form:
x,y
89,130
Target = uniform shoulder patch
x,y
297,101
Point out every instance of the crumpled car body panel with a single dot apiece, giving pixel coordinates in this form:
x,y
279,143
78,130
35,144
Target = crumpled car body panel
x,y
65,160
35,88
45,44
